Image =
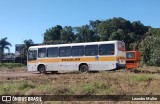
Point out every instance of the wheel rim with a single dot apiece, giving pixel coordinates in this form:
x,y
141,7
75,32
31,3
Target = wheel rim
x,y
84,69
42,69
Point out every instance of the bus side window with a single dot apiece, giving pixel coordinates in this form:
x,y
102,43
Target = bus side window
x,y
112,52
106,49
42,52
77,51
52,52
65,51
91,50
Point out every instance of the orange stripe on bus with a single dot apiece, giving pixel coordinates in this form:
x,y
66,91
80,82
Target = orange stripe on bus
x,y
82,59
107,59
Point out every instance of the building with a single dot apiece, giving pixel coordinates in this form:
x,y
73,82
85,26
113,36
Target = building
x,y
20,53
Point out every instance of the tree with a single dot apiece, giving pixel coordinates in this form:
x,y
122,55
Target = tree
x,y
53,35
107,27
27,44
4,44
94,27
135,35
67,35
124,30
150,47
85,34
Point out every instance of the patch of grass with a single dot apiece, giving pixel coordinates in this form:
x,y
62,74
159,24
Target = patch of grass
x,y
11,65
149,68
89,89
40,89
141,77
103,88
25,86
63,90
103,83
100,85
50,89
15,87
97,88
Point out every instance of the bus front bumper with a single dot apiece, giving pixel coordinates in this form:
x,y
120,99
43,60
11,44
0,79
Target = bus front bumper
x,y
120,66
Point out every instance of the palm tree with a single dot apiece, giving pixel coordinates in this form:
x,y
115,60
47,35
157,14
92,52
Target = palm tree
x,y
27,44
4,44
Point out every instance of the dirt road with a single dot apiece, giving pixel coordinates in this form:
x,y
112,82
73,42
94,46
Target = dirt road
x,y
17,74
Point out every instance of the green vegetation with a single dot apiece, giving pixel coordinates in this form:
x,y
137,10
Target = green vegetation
x,y
99,30
27,44
89,89
97,88
141,77
135,35
11,65
4,44
82,84
10,87
150,47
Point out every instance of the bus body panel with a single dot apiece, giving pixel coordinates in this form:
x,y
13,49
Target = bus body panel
x,y
132,59
71,63
104,63
32,67
51,64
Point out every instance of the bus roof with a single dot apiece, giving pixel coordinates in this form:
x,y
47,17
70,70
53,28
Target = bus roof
x,y
74,44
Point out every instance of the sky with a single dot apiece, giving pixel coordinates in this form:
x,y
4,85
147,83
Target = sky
x,y
29,19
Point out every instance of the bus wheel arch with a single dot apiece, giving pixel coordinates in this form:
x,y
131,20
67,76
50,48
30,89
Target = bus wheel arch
x,y
42,68
83,68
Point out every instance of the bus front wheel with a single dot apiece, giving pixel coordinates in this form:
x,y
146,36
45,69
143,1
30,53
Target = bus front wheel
x,y
42,69
83,69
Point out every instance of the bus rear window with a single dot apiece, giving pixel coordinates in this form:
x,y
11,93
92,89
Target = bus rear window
x,y
121,46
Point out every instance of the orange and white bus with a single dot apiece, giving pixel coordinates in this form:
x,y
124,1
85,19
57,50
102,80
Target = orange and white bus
x,y
83,57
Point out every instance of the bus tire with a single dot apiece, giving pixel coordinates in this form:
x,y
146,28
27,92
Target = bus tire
x,y
83,68
54,72
42,69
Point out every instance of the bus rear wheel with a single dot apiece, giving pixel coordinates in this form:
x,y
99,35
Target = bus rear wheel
x,y
83,69
42,69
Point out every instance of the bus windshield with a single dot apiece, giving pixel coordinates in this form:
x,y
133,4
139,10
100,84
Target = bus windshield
x,y
130,55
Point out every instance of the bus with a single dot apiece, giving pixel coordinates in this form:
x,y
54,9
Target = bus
x,y
132,59
82,57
